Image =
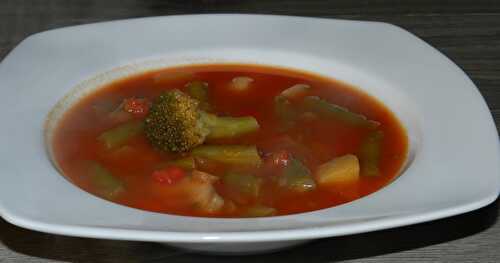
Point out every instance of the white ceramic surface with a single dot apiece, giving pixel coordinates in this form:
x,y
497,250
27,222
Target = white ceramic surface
x,y
453,167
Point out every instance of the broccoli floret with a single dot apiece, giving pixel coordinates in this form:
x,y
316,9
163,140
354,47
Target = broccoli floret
x,y
175,123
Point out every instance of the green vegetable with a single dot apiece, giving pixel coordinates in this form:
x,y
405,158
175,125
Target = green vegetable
x,y
176,123
259,211
246,184
199,90
186,163
120,134
370,154
330,110
284,110
229,154
105,183
297,177
228,127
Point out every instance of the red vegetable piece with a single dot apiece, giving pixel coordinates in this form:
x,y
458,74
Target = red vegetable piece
x,y
138,107
169,175
281,158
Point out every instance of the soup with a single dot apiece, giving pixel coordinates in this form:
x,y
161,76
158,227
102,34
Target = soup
x,y
228,140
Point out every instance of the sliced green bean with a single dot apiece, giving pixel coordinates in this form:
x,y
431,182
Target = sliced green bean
x,y
229,154
199,90
284,110
330,110
246,184
297,177
370,154
120,134
105,183
229,127
259,211
187,163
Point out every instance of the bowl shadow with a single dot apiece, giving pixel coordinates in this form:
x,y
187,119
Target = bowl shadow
x,y
73,249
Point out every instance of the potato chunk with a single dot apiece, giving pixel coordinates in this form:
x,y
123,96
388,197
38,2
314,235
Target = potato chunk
x,y
343,170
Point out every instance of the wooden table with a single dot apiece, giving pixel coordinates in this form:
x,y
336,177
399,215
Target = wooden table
x,y
468,32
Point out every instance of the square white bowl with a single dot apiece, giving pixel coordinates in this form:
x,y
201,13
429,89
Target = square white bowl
x,y
454,149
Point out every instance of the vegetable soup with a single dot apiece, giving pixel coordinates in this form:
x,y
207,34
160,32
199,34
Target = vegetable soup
x,y
228,140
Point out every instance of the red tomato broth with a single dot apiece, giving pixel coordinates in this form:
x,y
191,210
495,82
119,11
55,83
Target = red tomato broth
x,y
75,137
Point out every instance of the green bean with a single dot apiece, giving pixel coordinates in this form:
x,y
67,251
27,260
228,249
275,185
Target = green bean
x,y
105,183
229,154
330,110
229,127
259,211
120,134
284,110
370,154
297,177
187,163
245,184
199,91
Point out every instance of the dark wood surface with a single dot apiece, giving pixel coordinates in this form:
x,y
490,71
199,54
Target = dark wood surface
x,y
466,31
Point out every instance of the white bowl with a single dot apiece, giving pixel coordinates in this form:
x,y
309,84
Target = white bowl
x,y
454,156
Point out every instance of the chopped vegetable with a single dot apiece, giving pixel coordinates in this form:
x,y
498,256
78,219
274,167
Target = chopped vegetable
x,y
229,127
330,110
296,91
106,185
169,175
186,163
284,111
136,106
280,158
259,211
229,154
370,154
201,192
199,90
204,177
118,115
241,83
246,184
175,123
205,198
342,170
120,134
297,177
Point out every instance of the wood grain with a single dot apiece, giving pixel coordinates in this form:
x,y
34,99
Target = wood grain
x,y
468,32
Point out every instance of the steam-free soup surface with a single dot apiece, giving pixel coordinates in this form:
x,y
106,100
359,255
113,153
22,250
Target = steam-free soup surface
x,y
271,141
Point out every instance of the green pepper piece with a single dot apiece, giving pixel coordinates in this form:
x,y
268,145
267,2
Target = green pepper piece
x,y
229,154
330,110
120,134
297,177
370,154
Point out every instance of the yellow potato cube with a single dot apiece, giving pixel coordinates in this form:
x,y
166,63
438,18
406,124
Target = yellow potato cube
x,y
343,170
